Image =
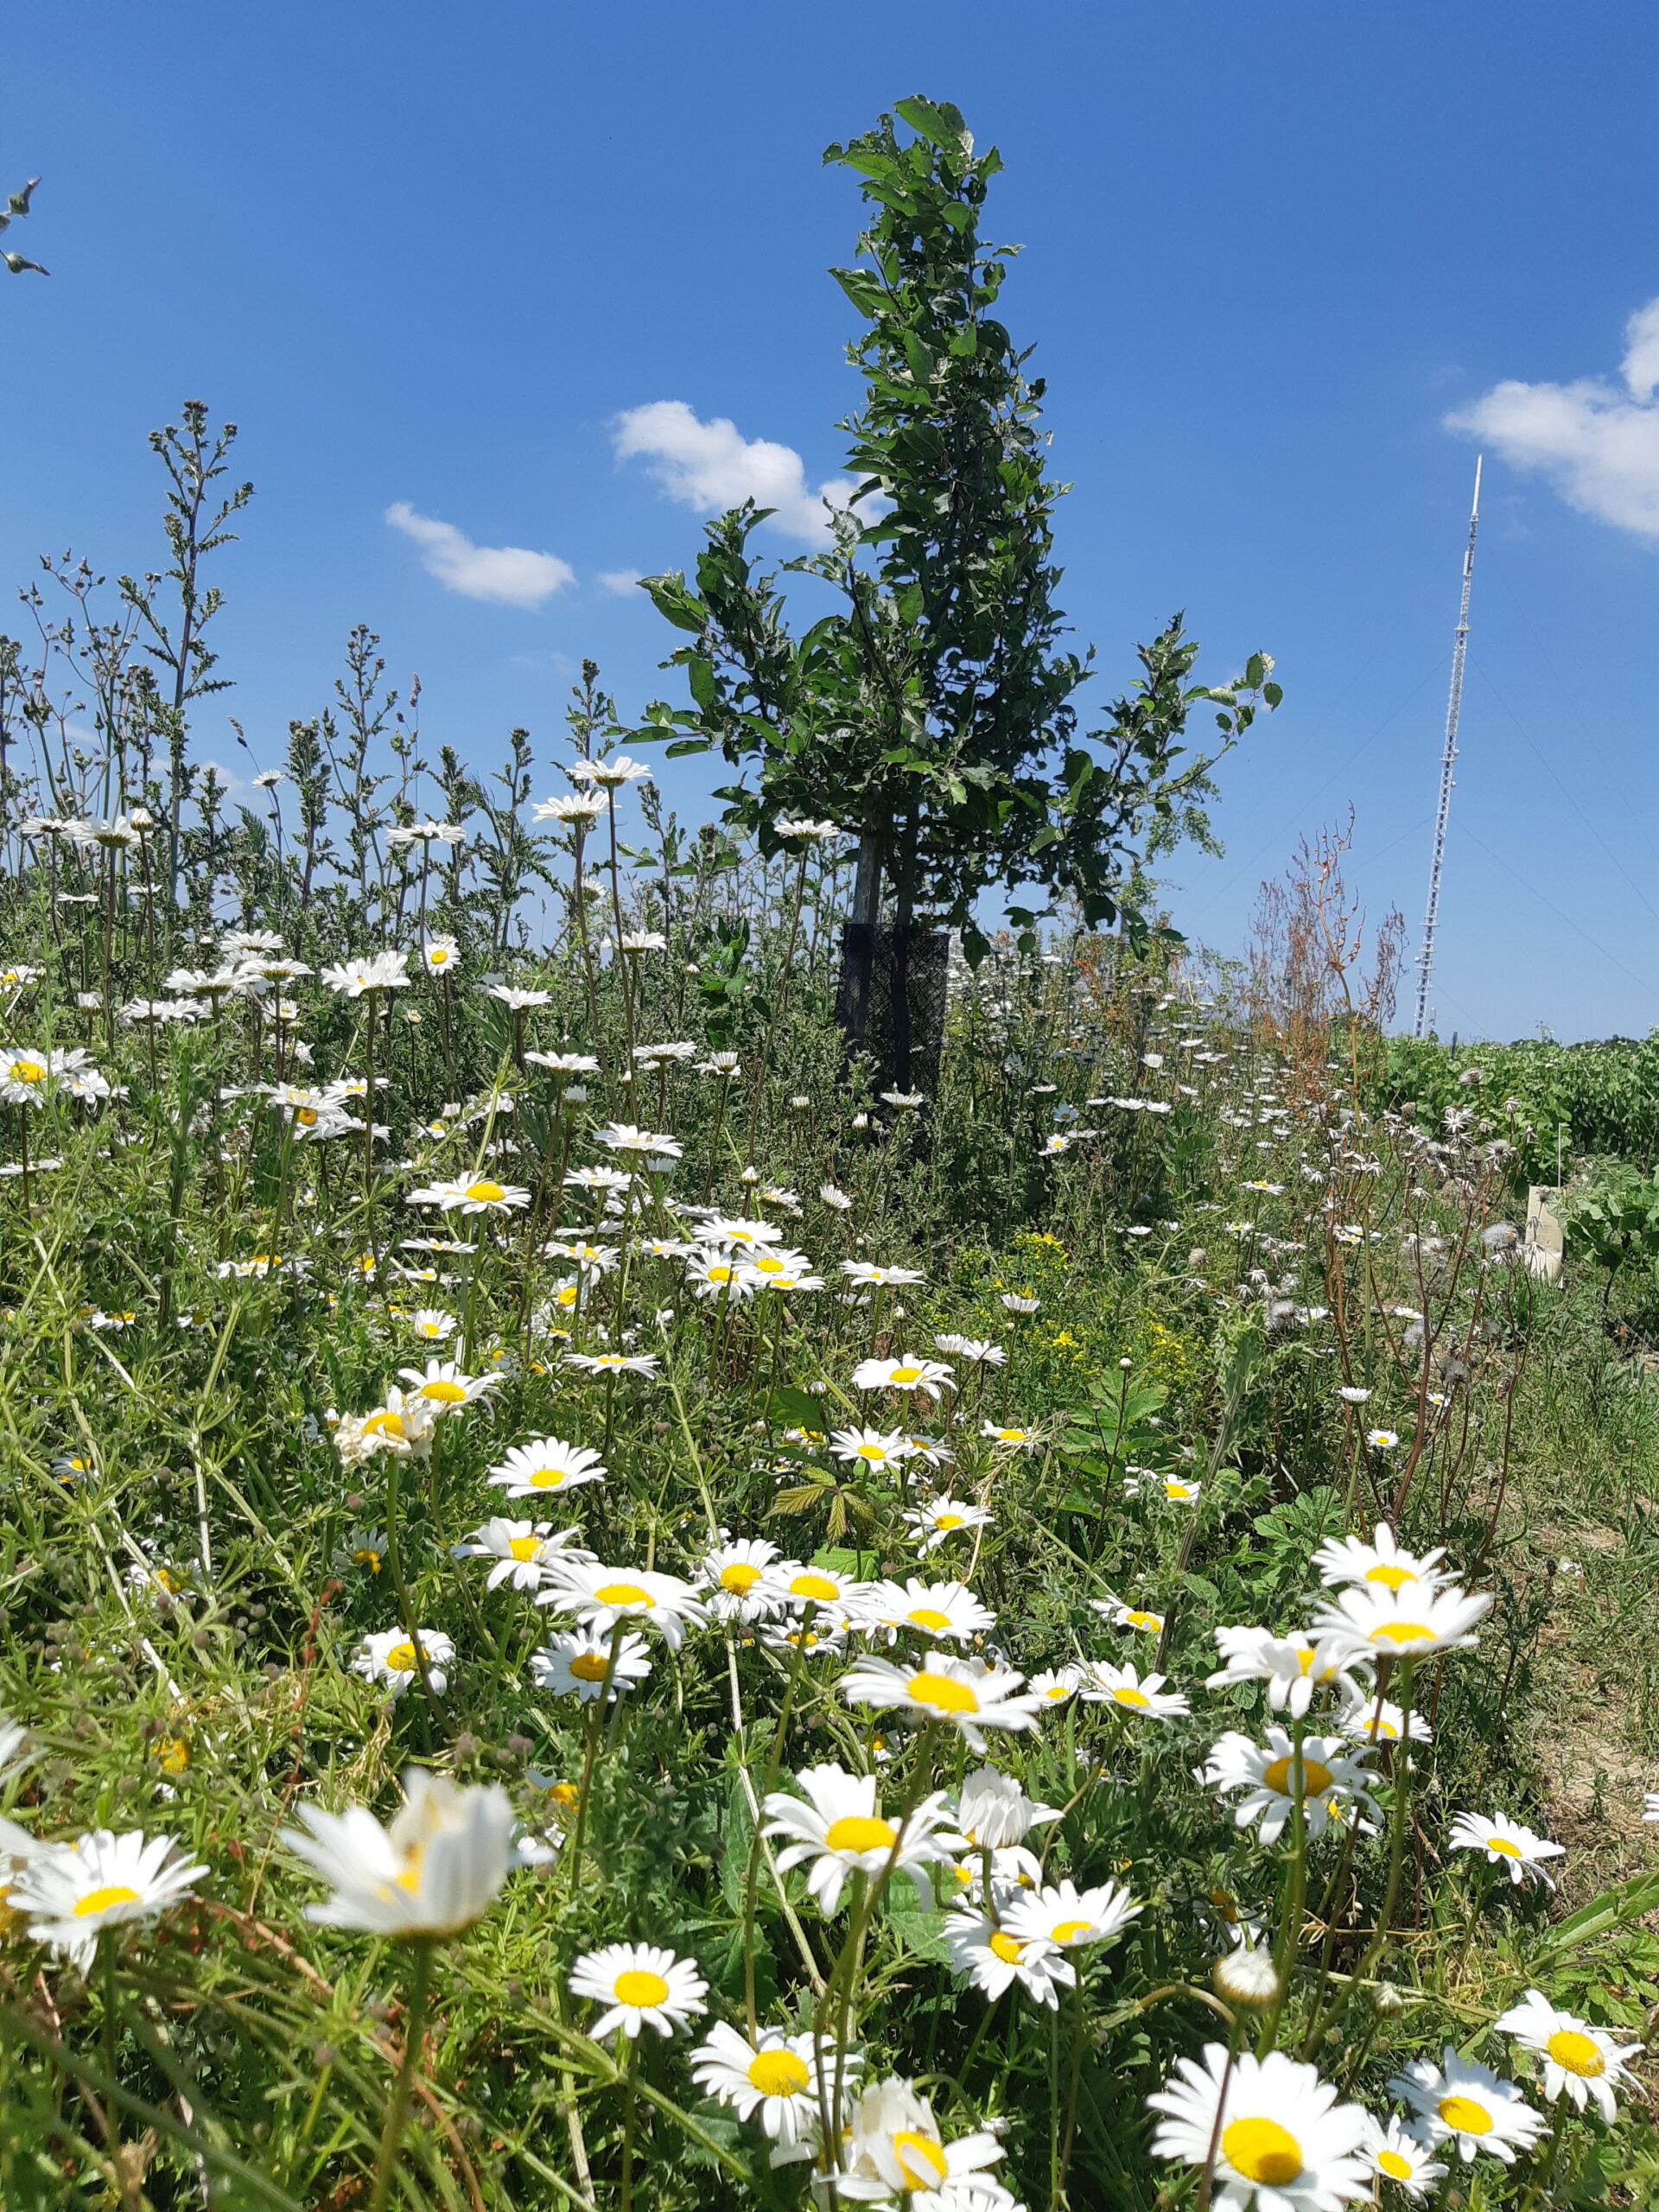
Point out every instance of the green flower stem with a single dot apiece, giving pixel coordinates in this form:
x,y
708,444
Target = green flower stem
x,y
420,1985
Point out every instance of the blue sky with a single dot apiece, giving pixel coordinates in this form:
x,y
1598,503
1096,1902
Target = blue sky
x,y
427,256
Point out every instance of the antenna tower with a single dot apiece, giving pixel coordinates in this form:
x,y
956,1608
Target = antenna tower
x,y
1453,706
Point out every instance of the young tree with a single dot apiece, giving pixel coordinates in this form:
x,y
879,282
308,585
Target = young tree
x,y
934,710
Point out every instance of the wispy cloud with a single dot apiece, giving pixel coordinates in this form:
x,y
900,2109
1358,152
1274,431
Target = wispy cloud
x,y
1597,444
620,581
510,575
712,466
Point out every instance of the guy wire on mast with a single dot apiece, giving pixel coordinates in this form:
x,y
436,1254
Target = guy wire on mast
x,y
1425,957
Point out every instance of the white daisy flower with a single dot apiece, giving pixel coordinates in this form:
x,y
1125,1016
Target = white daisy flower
x,y
1281,2140
1056,1689
933,1608
978,1351
70,1892
873,1447
1135,1616
812,1584
1369,1720
910,1371
735,1574
390,1658
601,1596
992,1810
879,1278
546,1464
838,1829
433,1872
1399,2157
773,2080
578,1664
444,1387
1292,1665
1464,2102
896,2151
1409,1623
1579,2062
964,1693
1266,1774
480,1195
1072,1918
1012,1440
932,1524
992,1957
1143,1695
638,1984
1383,1561
521,1549
1507,1844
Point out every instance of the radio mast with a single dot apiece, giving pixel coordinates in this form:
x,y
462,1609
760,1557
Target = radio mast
x,y
1425,957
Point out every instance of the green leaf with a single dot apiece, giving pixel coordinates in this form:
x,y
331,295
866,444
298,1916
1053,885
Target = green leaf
x,y
788,1407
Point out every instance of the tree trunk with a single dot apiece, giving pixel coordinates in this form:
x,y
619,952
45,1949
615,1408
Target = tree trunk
x,y
858,944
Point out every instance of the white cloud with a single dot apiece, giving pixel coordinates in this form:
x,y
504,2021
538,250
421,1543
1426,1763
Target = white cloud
x,y
507,574
711,467
620,581
1597,444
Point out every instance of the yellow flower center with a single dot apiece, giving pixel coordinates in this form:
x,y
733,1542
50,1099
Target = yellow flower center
x,y
1316,1779
173,1754
906,1375
306,1116
1577,2053
438,957
1464,2116
567,1293
1405,1632
639,1986
546,1477
777,2073
365,1557
409,1880
28,1071
720,1274
1127,1696
875,1454
1394,2165
921,2160
1502,1844
400,1660
564,1793
1392,1576
1067,1931
929,1616
943,1690
622,1593
589,1666
949,1520
739,1576
104,1900
1262,2151
1144,1620
384,1423
444,1393
1179,1491
817,1586
524,1547
487,1194
768,1263
861,1831
1005,1947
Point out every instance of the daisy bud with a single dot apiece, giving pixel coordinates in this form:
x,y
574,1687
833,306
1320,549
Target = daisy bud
x,y
1246,1977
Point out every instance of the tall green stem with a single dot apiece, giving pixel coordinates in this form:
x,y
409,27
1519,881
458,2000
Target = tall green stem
x,y
420,1985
